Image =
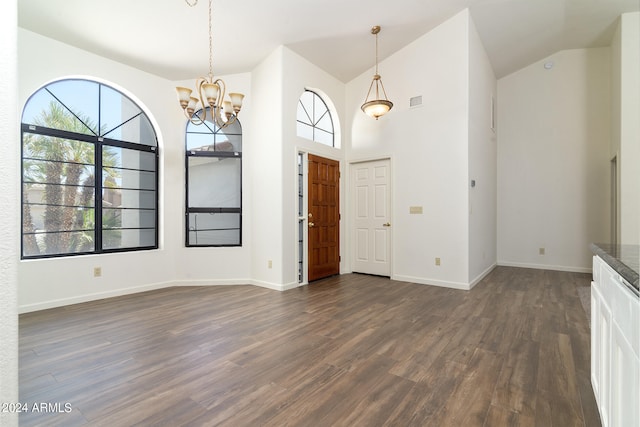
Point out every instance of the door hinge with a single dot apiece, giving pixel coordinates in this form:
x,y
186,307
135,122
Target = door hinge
x,y
339,258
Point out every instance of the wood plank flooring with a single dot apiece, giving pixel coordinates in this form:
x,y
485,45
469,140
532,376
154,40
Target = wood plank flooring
x,y
351,350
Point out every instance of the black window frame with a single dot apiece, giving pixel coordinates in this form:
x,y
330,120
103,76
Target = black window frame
x,y
211,128
99,142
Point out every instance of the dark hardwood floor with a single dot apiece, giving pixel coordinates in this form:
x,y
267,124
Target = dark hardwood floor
x,y
352,350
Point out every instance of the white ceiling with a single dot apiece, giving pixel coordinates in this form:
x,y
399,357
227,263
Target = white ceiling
x,y
168,38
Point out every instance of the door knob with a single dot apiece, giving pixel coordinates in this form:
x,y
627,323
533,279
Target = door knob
x,y
386,224
311,224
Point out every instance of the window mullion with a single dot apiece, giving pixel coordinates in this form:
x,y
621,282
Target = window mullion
x,y
98,196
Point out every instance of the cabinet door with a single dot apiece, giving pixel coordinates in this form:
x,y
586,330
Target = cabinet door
x,y
596,340
604,361
625,381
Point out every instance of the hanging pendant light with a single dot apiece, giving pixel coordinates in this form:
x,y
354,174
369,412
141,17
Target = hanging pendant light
x,y
377,106
211,93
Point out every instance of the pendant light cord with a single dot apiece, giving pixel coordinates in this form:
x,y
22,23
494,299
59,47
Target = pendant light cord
x,y
376,53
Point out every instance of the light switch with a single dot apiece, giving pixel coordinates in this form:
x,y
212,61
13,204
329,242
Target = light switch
x,y
415,210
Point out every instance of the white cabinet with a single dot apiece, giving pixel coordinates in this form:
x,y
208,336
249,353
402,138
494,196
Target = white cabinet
x,y
615,347
600,349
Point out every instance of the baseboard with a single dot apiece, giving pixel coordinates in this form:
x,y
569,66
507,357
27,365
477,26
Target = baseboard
x,y
91,297
545,267
212,282
482,275
275,286
249,282
432,282
150,287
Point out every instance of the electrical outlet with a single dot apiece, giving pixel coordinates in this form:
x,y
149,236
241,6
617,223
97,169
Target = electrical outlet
x,y
437,261
97,271
269,264
541,251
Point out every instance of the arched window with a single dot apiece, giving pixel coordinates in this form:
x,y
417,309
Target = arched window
x,y
89,172
314,120
214,184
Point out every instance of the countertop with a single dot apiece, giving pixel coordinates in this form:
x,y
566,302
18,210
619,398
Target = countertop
x,y
624,259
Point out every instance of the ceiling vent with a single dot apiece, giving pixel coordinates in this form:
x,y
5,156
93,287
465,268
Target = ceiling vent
x,y
415,101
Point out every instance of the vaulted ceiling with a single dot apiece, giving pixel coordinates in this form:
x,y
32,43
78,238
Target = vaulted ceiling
x,y
168,38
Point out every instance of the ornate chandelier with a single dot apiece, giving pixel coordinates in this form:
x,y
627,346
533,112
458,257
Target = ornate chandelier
x,y
377,106
210,92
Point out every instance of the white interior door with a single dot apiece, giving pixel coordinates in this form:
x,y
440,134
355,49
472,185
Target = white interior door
x,y
371,195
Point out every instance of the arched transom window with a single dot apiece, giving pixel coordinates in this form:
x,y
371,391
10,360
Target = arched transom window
x,y
314,120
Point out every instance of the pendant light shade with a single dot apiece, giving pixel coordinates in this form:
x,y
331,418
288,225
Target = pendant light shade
x,y
376,103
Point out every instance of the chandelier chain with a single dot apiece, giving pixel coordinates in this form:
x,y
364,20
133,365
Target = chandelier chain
x,y
210,41
211,92
192,3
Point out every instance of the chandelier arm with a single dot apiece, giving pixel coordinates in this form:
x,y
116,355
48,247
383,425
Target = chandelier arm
x,y
222,91
222,124
231,120
203,100
218,111
198,121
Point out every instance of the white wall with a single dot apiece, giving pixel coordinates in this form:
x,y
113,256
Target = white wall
x,y
9,208
614,146
265,160
428,146
627,124
300,74
278,82
127,272
553,154
270,147
71,280
435,149
212,265
482,161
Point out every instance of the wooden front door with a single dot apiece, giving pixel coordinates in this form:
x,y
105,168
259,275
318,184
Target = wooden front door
x,y
324,217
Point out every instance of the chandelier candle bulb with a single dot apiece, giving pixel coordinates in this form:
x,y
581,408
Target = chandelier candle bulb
x,y
228,109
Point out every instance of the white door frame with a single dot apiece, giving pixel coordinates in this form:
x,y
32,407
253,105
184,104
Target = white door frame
x,y
351,248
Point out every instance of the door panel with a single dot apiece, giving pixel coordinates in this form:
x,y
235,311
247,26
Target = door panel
x,y
324,217
372,227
